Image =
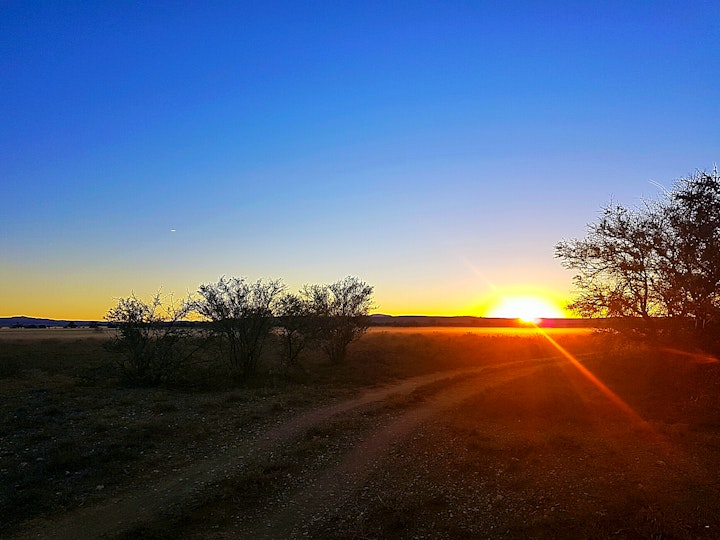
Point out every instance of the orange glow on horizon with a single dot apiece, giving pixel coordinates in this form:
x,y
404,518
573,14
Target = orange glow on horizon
x,y
527,308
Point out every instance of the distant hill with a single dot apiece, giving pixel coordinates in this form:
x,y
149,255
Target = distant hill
x,y
379,320
35,322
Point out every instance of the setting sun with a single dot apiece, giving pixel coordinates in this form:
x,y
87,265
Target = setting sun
x,y
527,309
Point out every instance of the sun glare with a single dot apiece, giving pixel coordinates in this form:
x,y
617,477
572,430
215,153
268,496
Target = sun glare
x,y
527,309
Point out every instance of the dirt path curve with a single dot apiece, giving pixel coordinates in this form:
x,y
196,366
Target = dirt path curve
x,y
332,486
134,508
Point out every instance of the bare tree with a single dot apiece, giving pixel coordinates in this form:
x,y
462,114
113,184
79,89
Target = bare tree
x,y
659,260
341,312
241,314
616,264
295,324
149,335
693,251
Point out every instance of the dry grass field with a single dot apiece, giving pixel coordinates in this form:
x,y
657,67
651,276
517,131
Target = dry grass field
x,y
419,434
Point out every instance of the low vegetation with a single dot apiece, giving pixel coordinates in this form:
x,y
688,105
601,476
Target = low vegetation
x,y
72,435
236,320
72,431
151,338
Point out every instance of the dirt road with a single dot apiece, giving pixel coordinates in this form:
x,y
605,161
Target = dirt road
x,y
132,510
520,449
337,484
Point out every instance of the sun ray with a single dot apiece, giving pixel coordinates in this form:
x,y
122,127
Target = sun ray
x,y
621,404
617,400
698,358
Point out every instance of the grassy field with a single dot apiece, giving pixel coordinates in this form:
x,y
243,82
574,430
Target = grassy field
x,y
599,438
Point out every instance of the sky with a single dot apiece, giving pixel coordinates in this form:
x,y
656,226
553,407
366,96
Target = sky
x,y
436,150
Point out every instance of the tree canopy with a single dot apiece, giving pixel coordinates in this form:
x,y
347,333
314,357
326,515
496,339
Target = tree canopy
x,y
658,260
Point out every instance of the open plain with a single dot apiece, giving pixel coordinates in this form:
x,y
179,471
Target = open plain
x,y
418,434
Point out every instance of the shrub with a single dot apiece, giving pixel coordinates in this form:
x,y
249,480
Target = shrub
x,y
241,315
340,312
149,336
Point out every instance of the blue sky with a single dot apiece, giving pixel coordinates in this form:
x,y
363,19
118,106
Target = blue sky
x,y
438,150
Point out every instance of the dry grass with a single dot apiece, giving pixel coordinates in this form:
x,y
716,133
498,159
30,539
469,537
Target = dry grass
x,y
546,447
550,456
56,334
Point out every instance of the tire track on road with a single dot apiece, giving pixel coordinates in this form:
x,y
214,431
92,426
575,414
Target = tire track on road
x,y
133,508
329,488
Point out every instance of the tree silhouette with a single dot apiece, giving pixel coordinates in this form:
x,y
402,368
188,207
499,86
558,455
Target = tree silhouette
x,y
295,323
241,314
662,259
693,260
341,312
149,336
